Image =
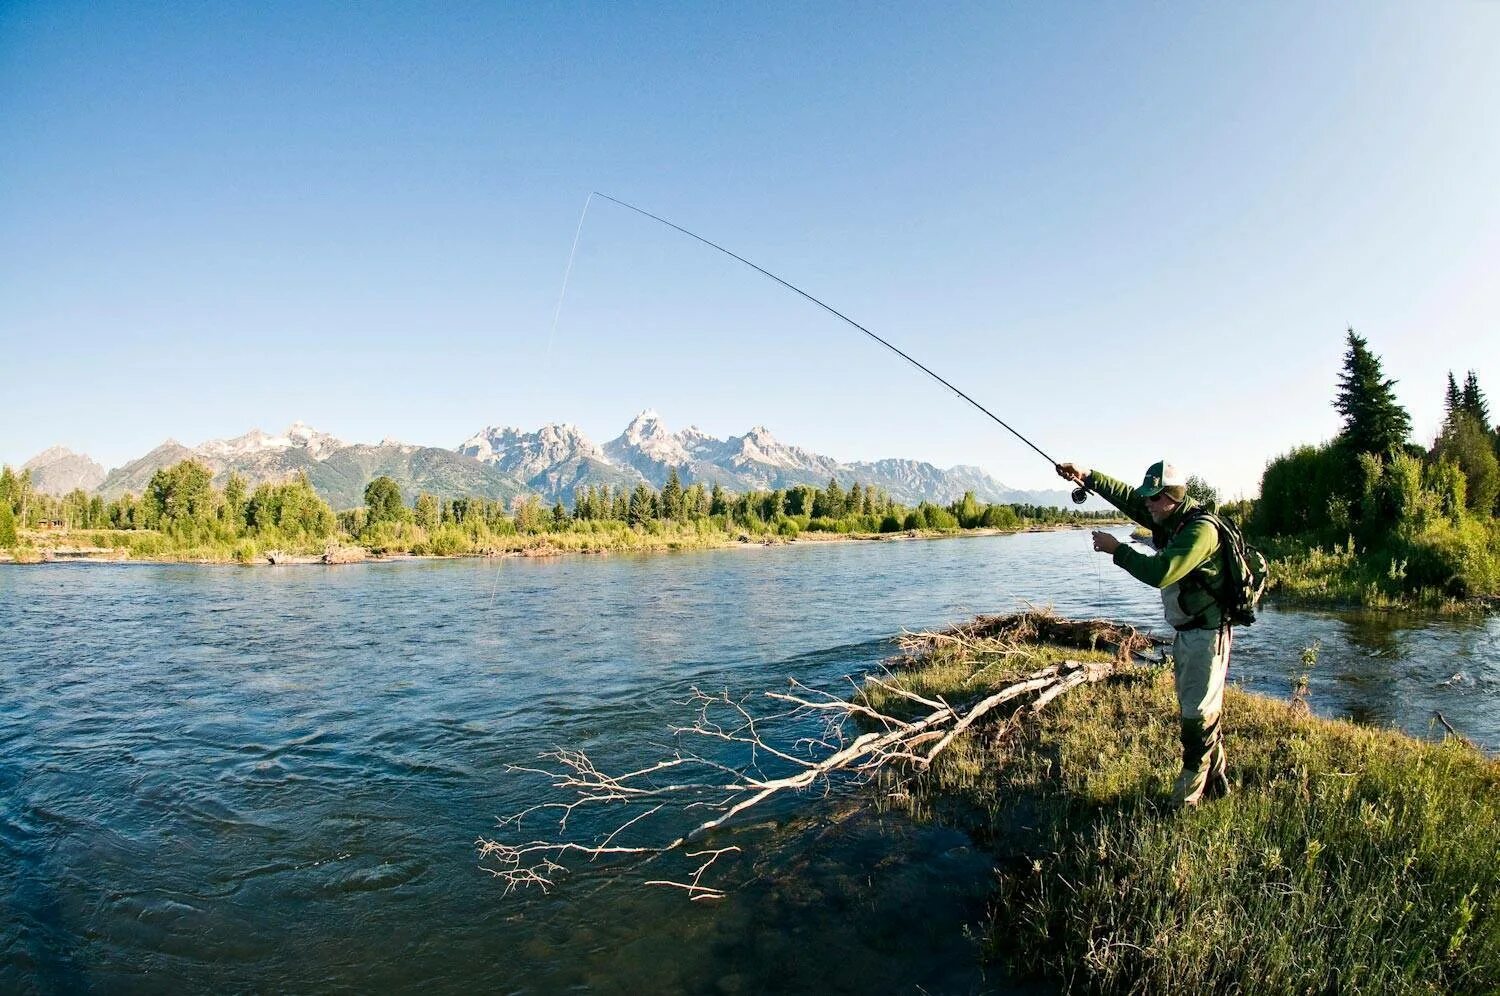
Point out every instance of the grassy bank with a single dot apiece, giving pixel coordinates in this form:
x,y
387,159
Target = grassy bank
x,y
1348,859
1452,568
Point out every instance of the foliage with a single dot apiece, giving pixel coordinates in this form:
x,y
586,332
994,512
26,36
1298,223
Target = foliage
x,y
183,517
1300,492
1466,442
383,502
291,509
7,524
179,495
1201,491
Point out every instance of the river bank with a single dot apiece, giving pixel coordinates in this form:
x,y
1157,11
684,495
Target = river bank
x,y
96,546
1348,858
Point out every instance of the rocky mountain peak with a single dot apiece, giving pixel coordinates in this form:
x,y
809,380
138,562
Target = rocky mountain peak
x,y
527,452
51,454
647,437
298,435
58,470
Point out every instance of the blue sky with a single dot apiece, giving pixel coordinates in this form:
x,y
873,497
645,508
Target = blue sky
x,y
1130,230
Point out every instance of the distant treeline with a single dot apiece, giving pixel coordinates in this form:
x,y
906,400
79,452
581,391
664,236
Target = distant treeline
x,y
181,504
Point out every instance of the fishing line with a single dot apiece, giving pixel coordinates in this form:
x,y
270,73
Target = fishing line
x,y
556,314
552,335
839,314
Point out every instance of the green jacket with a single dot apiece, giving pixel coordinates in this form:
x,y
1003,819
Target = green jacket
x,y
1186,565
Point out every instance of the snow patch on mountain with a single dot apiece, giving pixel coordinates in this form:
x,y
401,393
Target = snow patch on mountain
x,y
299,435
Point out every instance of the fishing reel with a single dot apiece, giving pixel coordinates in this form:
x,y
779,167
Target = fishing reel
x,y
1080,495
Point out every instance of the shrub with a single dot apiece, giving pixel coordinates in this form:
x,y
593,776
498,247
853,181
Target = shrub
x,y
1299,491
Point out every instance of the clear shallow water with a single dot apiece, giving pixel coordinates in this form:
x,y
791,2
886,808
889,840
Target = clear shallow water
x,y
224,778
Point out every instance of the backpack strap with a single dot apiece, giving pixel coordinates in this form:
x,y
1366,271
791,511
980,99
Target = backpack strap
x,y
1200,620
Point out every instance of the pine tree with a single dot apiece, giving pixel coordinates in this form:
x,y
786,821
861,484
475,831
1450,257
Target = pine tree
x,y
717,505
671,496
1374,422
1453,401
1474,404
639,509
833,499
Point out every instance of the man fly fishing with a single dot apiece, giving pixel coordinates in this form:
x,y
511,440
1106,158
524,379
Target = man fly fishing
x,y
1188,570
1200,558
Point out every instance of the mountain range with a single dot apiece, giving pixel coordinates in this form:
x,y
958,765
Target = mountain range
x,y
503,462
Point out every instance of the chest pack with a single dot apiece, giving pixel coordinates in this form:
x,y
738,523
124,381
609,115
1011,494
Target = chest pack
x,y
1244,571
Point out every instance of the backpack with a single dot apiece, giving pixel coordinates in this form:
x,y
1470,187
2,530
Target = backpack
x,y
1245,571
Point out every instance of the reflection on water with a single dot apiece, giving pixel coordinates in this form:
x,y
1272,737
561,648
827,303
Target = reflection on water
x,y
274,778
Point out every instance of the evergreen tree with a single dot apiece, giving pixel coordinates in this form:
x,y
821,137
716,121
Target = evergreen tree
x,y
855,500
671,496
1474,404
1453,401
833,499
560,517
7,523
639,509
620,507
1374,422
717,505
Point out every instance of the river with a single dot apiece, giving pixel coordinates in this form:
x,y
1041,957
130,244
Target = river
x,y
273,779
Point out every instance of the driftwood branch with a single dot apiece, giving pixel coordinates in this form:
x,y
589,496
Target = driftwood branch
x,y
645,812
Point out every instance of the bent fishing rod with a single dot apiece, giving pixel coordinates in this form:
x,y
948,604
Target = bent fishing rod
x,y
1080,494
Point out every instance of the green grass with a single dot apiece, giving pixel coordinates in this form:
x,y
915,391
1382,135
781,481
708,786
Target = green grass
x,y
1348,860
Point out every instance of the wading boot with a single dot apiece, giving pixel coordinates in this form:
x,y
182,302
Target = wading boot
x,y
1219,784
1196,747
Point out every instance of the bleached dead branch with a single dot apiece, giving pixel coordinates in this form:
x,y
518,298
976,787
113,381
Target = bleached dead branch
x,y
643,813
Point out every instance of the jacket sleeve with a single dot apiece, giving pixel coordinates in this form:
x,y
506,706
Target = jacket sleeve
x,y
1192,545
1120,495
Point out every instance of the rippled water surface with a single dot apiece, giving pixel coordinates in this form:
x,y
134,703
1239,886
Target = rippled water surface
x,y
226,778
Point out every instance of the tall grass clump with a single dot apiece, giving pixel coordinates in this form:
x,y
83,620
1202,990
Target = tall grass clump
x,y
1348,860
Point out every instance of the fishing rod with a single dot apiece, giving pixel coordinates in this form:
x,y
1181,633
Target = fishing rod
x,y
1080,494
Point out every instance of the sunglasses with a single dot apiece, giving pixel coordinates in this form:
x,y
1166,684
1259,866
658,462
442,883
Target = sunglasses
x,y
1159,496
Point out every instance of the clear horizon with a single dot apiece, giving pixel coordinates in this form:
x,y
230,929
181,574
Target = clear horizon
x,y
1131,232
